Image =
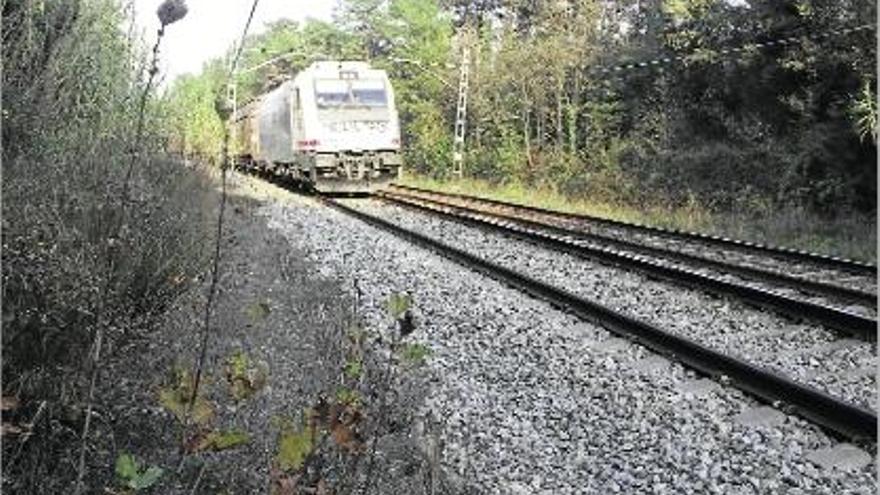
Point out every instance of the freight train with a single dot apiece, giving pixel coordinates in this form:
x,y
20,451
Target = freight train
x,y
332,128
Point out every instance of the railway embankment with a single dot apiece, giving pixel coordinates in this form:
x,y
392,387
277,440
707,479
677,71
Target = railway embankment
x,y
296,393
530,399
343,357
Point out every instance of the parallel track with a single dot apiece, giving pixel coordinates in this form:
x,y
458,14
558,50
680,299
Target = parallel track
x,y
821,289
822,409
560,239
778,252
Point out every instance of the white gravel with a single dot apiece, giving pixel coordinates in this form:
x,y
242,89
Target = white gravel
x,y
805,270
806,353
531,403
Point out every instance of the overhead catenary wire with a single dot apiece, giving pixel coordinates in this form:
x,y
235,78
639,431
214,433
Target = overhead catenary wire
x,y
726,53
746,48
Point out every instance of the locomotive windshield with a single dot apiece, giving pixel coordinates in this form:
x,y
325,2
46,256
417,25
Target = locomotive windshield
x,y
330,93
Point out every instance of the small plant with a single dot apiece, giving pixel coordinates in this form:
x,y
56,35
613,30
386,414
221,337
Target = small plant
x,y
176,398
864,112
244,378
294,446
218,440
398,304
415,354
258,311
130,475
347,396
353,369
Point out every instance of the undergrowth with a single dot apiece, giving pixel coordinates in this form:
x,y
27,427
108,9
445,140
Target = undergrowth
x,y
85,243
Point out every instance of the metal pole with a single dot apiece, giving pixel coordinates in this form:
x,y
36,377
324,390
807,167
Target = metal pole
x,y
461,113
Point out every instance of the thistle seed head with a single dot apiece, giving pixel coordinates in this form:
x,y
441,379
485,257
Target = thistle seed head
x,y
171,11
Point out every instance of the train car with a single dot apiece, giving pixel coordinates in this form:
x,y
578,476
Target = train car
x,y
333,127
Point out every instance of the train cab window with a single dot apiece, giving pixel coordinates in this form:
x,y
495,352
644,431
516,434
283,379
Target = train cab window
x,y
331,93
369,92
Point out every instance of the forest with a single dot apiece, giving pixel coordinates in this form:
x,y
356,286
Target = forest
x,y
728,118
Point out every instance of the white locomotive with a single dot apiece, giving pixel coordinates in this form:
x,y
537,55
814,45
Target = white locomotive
x,y
333,127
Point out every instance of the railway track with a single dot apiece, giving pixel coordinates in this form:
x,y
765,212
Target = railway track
x,y
812,273
839,416
565,240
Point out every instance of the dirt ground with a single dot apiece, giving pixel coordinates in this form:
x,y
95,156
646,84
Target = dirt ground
x,y
288,329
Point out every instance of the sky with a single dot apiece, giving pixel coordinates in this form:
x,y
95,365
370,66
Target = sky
x,y
212,26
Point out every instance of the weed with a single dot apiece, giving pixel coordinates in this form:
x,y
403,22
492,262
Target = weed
x,y
398,304
258,311
294,446
176,396
217,440
415,354
348,396
130,475
244,378
353,369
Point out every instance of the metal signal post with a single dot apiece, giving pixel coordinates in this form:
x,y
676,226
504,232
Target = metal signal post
x,y
461,114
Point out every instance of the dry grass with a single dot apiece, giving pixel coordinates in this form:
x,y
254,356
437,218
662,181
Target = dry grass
x,y
849,235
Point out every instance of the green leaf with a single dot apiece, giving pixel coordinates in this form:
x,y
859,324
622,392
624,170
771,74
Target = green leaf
x,y
238,364
397,304
353,369
416,353
147,479
221,440
126,467
244,378
347,396
293,448
176,397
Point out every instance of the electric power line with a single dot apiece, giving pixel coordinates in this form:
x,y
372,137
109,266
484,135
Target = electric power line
x,y
747,48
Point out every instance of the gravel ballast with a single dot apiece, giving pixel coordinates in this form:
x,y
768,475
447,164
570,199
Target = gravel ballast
x,y
801,269
807,353
528,399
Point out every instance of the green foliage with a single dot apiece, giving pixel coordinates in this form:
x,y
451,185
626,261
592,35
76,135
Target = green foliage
x,y
222,440
130,475
353,369
101,228
539,116
294,446
258,311
244,377
415,354
176,397
348,396
864,111
397,304
197,128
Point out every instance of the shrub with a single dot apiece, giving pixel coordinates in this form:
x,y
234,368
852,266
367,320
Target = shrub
x,y
71,251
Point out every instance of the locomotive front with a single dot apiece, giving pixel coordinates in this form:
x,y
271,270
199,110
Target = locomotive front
x,y
348,131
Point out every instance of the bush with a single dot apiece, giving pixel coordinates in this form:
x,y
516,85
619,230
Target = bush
x,y
72,253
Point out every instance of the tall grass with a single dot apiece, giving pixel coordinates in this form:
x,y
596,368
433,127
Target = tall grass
x,y
71,87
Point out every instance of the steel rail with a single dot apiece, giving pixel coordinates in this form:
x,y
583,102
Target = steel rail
x,y
842,321
781,252
841,417
804,285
